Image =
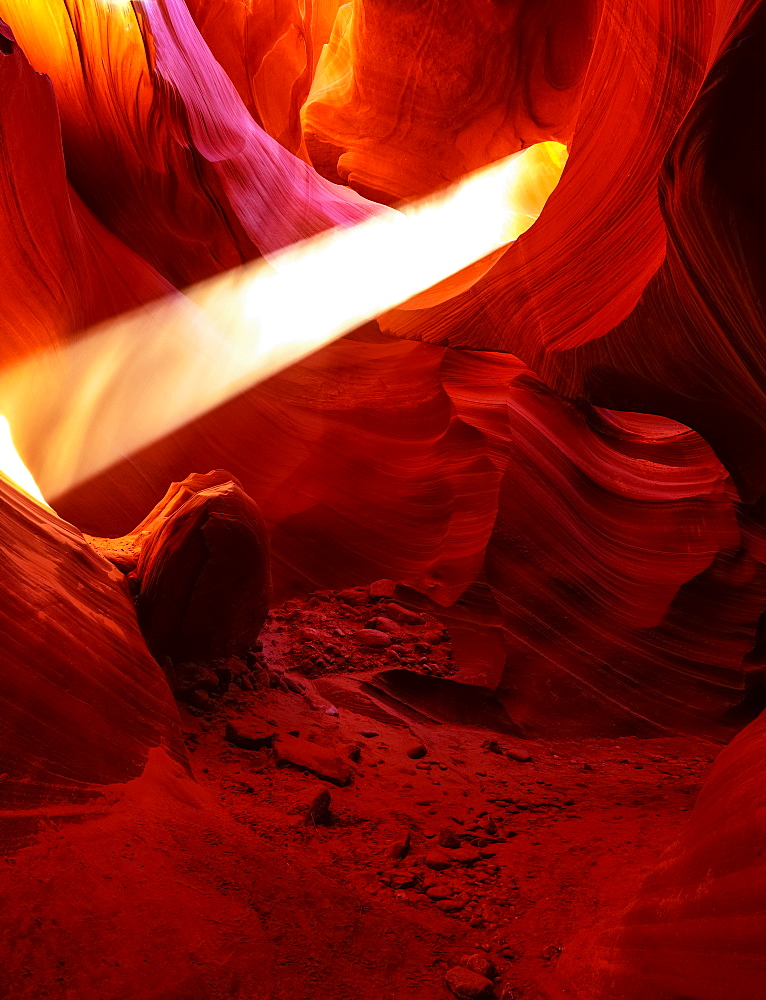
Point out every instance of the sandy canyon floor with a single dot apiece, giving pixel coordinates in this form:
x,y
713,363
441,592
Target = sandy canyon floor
x,y
468,849
343,841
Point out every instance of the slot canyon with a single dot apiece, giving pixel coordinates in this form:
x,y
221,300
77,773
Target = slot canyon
x,y
383,499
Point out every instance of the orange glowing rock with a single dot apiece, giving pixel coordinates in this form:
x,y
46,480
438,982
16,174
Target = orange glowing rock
x,y
176,359
366,416
693,346
199,564
62,270
409,97
122,156
597,567
269,50
582,268
628,522
379,457
160,144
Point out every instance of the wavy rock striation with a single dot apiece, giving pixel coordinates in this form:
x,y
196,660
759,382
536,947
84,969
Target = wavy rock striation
x,y
693,347
62,269
409,97
629,595
82,703
160,145
696,929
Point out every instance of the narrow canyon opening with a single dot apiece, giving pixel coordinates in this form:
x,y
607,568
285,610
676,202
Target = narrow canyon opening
x,y
383,405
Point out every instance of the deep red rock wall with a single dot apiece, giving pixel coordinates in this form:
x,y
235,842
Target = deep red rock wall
x,y
703,312
82,703
697,926
616,557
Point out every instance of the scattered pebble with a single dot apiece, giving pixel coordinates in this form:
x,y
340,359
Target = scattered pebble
x,y
436,861
311,757
551,952
522,758
440,892
448,838
468,985
480,964
450,905
400,847
319,811
249,737
373,638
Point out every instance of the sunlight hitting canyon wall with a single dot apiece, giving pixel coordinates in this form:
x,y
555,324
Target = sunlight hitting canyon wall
x,y
468,296
174,360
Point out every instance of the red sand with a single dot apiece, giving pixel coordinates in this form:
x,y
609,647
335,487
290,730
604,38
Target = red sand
x,y
214,888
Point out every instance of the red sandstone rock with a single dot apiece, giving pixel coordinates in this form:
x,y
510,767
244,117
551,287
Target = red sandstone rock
x,y
450,905
82,701
400,846
448,837
602,606
382,624
437,861
373,638
468,985
311,757
480,964
46,230
202,573
249,738
463,451
697,925
602,634
465,856
498,76
116,141
319,812
437,892
704,305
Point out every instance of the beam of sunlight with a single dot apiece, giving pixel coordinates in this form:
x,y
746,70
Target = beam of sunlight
x,y
12,467
133,380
